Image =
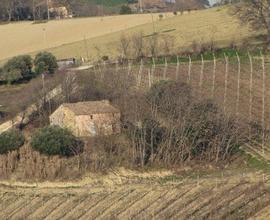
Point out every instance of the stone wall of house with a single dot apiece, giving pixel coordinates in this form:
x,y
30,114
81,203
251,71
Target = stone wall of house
x,y
64,118
98,124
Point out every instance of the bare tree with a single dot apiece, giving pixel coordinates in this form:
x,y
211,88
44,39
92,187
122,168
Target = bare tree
x,y
8,6
167,44
256,13
124,45
69,86
137,43
153,45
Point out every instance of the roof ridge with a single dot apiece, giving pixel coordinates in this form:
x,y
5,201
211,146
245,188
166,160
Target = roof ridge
x,y
91,107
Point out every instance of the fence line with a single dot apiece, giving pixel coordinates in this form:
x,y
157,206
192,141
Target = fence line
x,y
165,68
250,92
129,67
238,86
201,74
214,75
263,102
140,73
149,78
177,69
189,69
226,82
164,72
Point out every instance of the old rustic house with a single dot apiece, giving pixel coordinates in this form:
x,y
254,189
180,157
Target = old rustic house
x,y
65,63
88,118
59,12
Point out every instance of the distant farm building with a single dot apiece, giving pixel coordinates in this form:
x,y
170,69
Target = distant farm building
x,y
59,12
153,5
88,119
65,63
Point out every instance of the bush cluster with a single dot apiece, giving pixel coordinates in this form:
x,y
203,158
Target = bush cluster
x,y
45,63
170,97
11,140
125,9
20,67
54,140
181,128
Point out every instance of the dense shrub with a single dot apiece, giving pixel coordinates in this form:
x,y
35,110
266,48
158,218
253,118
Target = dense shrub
x,y
211,131
45,62
183,130
18,68
1,71
125,10
53,140
170,97
10,140
149,134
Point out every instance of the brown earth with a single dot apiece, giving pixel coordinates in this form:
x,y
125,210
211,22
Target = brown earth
x,y
223,197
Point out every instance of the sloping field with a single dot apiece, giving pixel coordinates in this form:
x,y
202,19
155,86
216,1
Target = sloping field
x,y
65,38
26,37
228,198
200,26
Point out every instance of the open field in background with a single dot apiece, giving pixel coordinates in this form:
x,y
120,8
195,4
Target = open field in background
x,y
26,37
200,26
241,190
65,38
223,197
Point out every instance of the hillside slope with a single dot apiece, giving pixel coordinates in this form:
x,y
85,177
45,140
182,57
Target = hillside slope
x,y
26,37
73,38
201,26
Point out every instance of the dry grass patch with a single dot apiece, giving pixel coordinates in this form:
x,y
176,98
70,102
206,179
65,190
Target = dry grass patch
x,y
67,38
26,37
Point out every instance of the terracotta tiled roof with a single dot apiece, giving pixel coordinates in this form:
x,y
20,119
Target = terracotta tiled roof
x,y
93,107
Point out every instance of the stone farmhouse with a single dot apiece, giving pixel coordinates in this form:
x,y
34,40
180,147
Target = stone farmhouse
x,y
59,12
88,119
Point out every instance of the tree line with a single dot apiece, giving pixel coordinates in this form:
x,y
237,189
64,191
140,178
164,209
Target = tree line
x,y
16,10
20,68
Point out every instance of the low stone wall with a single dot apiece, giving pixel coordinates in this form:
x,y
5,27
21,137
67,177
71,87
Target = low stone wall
x,y
24,117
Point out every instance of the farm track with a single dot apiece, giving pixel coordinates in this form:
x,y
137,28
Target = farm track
x,y
230,198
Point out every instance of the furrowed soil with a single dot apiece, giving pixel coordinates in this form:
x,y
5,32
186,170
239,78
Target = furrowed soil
x,y
143,197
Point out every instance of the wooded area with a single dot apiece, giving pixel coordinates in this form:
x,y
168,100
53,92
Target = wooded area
x,y
14,10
